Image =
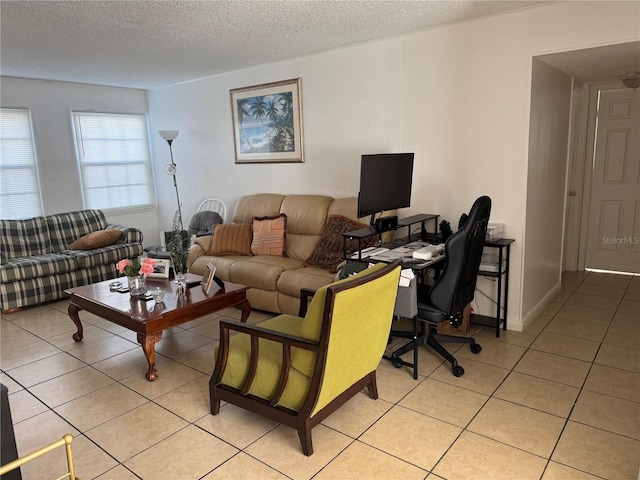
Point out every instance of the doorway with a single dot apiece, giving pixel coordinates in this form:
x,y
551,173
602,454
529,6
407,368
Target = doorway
x,y
612,208
595,71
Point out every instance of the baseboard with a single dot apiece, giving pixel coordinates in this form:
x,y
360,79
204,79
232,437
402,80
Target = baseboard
x,y
515,325
530,316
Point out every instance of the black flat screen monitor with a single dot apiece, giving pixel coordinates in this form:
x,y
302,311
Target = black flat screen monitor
x,y
385,183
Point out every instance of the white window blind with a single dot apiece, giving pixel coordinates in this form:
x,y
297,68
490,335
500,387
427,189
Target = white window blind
x,y
114,161
19,187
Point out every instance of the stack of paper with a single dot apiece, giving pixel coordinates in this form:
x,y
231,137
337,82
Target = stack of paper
x,y
425,253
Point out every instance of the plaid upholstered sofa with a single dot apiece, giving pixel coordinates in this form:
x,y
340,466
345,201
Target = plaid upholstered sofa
x,y
38,262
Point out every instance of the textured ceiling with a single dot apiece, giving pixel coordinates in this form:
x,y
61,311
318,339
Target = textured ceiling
x,y
601,64
150,44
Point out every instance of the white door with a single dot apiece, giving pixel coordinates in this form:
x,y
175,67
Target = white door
x,y
613,241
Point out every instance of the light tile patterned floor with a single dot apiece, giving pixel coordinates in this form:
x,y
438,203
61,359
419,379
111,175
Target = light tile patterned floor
x,y
559,401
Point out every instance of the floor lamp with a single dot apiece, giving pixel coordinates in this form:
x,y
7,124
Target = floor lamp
x,y
170,168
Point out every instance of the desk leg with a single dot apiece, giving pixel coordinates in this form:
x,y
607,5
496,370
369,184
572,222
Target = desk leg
x,y
506,287
246,310
73,314
148,343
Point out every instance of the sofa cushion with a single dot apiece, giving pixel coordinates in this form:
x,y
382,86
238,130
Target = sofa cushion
x,y
347,207
329,250
269,235
24,238
306,219
261,272
291,281
97,239
222,263
111,254
232,238
257,205
37,266
66,228
33,291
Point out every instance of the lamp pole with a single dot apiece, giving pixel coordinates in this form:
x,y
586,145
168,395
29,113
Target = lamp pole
x,y
170,136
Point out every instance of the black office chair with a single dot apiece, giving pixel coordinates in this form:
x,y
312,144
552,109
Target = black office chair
x,y
452,292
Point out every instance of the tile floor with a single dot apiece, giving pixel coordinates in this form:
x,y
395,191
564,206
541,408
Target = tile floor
x,y
559,401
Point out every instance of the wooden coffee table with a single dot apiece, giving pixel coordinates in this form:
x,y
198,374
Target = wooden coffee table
x,y
149,319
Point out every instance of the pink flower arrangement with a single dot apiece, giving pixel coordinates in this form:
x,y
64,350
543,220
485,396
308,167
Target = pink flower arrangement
x,y
133,269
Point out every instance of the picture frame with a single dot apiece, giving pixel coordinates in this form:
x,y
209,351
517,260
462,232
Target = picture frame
x,y
267,122
161,268
208,278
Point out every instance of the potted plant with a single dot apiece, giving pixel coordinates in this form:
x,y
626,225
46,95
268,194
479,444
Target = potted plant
x,y
177,249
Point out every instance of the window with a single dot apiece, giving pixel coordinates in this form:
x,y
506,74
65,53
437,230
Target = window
x,y
113,156
19,187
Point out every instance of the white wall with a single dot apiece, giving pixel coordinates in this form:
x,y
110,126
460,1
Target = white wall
x,y
458,96
51,104
546,179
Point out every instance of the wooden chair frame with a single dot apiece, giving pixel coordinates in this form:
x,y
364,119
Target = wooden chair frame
x,y
300,420
214,205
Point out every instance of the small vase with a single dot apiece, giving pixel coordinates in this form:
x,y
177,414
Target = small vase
x,y
180,277
137,286
179,265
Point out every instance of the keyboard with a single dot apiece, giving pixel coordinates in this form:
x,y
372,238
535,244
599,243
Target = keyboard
x,y
370,252
374,252
429,251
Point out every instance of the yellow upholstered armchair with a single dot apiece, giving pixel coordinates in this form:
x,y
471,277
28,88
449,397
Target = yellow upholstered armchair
x,y
297,370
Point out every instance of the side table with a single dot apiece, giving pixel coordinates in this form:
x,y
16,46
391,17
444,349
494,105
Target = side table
x,y
502,275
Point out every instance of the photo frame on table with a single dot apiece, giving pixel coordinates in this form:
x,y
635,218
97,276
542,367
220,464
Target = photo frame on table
x,y
208,278
161,268
267,122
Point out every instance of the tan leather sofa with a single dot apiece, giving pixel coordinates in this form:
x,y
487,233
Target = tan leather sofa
x,y
275,282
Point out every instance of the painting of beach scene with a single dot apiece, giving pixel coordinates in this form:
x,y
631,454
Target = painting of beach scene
x,y
267,122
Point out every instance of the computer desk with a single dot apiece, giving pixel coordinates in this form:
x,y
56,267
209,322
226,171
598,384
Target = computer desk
x,y
408,222
501,272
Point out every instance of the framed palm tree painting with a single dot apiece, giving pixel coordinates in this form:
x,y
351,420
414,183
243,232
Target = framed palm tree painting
x,y
267,122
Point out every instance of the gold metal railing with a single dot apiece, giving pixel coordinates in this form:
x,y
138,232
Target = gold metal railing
x,y
66,441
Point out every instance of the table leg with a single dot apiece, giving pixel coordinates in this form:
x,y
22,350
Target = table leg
x,y
148,343
73,314
246,310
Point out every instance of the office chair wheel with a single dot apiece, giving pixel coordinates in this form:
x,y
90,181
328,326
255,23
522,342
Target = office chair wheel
x,y
475,348
458,371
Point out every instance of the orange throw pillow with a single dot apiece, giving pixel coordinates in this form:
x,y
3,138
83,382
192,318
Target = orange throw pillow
x,y
97,239
230,239
269,235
